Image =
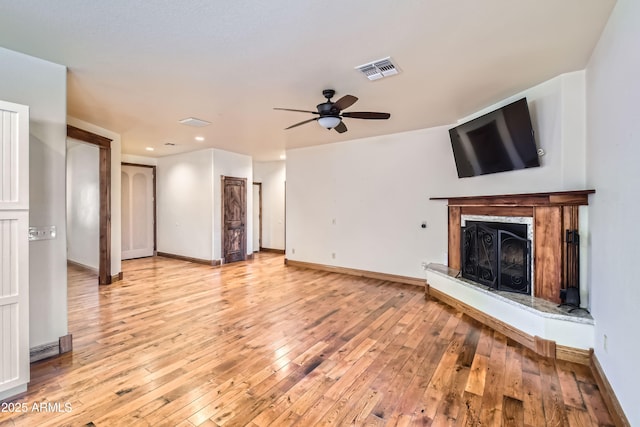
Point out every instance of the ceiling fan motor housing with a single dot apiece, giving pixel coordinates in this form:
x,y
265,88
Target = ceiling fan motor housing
x,y
327,109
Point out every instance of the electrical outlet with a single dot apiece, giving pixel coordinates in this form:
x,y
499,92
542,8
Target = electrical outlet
x,y
333,255
293,250
604,342
423,264
42,233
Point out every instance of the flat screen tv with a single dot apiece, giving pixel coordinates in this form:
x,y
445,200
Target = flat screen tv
x,y
499,141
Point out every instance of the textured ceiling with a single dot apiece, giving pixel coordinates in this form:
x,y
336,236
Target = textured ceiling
x,y
137,67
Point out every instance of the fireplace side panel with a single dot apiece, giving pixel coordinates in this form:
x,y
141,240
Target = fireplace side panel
x,y
548,254
454,238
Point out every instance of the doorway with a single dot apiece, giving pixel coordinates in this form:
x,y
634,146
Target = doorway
x,y
257,216
83,205
234,219
104,256
138,210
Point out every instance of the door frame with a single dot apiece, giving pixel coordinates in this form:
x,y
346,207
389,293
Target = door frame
x,y
155,215
104,257
259,184
244,219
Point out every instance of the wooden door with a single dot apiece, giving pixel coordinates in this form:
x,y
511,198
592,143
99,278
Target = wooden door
x,y
14,249
137,212
234,219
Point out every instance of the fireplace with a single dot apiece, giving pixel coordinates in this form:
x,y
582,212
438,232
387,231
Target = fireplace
x,y
549,216
497,254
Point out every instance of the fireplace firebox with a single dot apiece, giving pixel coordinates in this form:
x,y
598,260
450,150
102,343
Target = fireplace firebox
x,y
497,255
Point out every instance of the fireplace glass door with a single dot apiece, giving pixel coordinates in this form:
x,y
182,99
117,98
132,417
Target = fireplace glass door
x,y
515,261
493,254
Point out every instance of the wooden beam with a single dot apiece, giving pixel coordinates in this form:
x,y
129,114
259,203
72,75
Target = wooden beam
x,y
579,197
86,136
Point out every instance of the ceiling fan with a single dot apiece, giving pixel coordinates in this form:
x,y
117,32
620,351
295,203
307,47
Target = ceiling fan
x,y
330,113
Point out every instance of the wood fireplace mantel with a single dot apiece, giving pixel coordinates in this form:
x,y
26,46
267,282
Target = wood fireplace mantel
x,y
553,214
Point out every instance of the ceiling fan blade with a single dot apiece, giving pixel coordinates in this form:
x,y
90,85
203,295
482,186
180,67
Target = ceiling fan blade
x,y
345,102
301,123
299,111
366,115
341,128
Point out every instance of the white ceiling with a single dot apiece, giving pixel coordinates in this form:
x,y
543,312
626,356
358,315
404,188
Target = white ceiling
x,y
137,67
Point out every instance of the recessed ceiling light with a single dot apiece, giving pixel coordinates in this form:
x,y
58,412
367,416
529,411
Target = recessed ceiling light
x,y
149,148
200,138
283,156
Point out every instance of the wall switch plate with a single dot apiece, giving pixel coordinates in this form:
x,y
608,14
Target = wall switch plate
x,y
42,233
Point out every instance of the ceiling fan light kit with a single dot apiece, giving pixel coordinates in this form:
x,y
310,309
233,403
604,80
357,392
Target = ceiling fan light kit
x,y
330,113
329,122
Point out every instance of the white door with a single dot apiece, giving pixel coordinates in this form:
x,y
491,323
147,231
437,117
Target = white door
x,y
137,212
14,249
257,217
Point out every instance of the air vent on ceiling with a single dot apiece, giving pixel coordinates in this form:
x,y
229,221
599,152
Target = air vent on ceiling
x,y
170,144
192,121
378,69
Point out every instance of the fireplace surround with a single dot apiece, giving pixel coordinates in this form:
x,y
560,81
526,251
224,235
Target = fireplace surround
x,y
550,214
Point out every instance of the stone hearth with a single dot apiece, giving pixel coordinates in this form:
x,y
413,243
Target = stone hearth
x,y
535,318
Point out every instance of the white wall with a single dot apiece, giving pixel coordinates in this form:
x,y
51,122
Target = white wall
x,y
185,204
83,204
613,149
237,166
377,189
139,160
116,198
272,175
189,201
557,109
42,86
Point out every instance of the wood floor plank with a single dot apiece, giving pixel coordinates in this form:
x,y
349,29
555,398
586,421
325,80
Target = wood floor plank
x,y
512,412
492,397
258,343
552,400
513,373
469,416
570,389
595,404
532,402
477,375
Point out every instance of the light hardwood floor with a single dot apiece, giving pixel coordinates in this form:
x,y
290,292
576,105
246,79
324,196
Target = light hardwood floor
x,y
258,343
